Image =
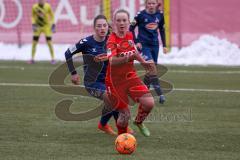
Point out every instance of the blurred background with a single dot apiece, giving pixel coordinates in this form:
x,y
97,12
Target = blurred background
x,y
211,24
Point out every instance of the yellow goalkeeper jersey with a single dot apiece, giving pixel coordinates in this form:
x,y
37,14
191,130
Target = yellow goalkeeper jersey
x,y
42,15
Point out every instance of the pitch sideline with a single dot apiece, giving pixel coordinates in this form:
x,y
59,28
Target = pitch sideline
x,y
175,89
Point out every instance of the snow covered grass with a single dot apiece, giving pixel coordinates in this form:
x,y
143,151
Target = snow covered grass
x,y
207,50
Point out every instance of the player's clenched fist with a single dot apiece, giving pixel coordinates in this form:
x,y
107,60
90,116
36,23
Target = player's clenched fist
x,y
75,79
165,50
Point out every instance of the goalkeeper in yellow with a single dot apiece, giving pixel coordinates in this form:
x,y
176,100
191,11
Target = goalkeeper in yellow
x,y
42,22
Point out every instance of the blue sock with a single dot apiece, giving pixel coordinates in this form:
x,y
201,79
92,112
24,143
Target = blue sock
x,y
115,115
147,81
156,84
105,118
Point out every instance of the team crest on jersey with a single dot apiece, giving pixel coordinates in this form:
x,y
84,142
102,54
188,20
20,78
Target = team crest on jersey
x,y
134,22
145,20
157,20
152,26
94,50
82,41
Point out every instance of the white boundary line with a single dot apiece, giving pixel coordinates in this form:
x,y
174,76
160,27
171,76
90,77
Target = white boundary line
x,y
170,71
175,89
22,68
204,72
206,90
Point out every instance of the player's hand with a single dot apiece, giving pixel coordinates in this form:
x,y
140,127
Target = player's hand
x,y
131,56
147,65
165,50
34,27
75,79
139,46
101,57
53,28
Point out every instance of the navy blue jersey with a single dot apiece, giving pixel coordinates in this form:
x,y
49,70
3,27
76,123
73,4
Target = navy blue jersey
x,y
148,25
93,71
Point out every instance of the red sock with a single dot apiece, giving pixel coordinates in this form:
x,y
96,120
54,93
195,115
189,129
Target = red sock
x,y
141,116
121,129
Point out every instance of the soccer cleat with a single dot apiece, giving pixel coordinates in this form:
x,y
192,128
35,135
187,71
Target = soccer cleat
x,y
31,61
53,61
143,129
107,129
162,99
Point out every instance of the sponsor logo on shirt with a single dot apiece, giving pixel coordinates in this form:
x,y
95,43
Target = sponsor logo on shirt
x,y
128,53
152,26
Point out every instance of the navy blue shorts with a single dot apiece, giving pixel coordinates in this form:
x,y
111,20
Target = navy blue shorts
x,y
150,52
96,89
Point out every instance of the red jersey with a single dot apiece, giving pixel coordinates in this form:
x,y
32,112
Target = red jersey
x,y
119,73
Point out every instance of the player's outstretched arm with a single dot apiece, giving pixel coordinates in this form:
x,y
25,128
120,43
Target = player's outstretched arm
x,y
74,49
74,75
101,57
133,25
143,62
120,59
163,35
69,60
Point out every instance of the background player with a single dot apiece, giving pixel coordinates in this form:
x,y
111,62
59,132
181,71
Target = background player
x,y
95,72
122,80
149,21
42,22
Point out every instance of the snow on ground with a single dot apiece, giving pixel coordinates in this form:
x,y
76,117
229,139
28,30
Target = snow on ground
x,y
13,52
207,50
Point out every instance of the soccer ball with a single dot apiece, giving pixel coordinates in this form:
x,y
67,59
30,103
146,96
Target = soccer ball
x,y
125,143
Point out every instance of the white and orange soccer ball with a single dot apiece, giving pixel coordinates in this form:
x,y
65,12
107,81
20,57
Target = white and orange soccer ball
x,y
125,143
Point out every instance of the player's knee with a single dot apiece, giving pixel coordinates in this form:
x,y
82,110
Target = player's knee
x,y
48,38
35,38
147,102
149,105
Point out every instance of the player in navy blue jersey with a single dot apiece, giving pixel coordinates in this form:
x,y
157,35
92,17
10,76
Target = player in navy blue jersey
x,y
149,21
94,70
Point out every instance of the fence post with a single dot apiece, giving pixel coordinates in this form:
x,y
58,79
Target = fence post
x,y
19,36
179,23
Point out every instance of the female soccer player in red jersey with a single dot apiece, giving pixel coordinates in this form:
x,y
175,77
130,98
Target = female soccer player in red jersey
x,y
121,78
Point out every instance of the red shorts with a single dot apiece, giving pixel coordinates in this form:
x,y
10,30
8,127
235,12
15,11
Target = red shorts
x,y
119,93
